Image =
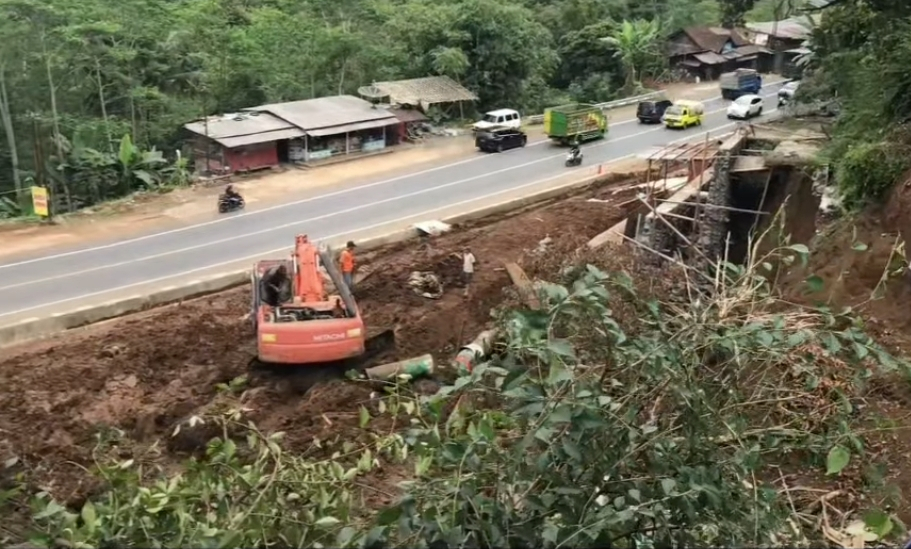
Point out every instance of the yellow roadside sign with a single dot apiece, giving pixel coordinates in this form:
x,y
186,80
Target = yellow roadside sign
x,y
39,201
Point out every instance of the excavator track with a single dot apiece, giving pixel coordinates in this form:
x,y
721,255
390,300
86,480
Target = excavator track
x,y
299,379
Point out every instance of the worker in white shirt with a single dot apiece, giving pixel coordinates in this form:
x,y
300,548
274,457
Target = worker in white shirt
x,y
468,263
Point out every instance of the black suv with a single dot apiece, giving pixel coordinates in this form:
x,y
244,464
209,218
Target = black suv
x,y
500,139
651,111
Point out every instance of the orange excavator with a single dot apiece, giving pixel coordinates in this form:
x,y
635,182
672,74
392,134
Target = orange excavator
x,y
301,324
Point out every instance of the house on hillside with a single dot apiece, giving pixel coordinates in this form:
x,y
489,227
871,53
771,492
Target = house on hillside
x,y
707,52
785,39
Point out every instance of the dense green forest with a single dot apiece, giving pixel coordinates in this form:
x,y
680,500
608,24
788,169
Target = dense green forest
x,y
861,50
76,76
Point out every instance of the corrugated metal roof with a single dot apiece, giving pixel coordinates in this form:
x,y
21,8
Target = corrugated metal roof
x,y
749,49
714,38
429,90
234,125
710,58
327,112
794,28
265,137
353,127
743,52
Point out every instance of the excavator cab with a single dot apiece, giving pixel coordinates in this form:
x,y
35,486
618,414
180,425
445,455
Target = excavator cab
x,y
311,326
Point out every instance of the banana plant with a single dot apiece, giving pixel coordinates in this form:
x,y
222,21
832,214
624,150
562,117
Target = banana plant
x,y
139,168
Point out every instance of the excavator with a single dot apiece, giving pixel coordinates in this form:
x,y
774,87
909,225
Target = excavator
x,y
308,326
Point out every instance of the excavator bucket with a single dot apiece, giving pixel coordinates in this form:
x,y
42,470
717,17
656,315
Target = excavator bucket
x,y
378,344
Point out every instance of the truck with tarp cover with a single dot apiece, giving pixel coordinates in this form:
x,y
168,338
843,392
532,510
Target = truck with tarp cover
x,y
580,122
740,82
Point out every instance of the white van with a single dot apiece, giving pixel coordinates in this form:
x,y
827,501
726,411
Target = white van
x,y
504,118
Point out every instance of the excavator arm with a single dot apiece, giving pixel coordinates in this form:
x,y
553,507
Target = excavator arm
x,y
308,281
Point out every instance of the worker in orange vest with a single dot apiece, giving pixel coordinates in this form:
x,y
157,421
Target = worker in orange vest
x,y
348,265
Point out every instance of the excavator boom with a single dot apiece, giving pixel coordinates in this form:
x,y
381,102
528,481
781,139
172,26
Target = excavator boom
x,y
308,279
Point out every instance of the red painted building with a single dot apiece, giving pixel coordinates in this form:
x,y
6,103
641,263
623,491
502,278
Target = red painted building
x,y
241,142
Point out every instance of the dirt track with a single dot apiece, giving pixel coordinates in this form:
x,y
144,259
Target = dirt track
x,y
143,374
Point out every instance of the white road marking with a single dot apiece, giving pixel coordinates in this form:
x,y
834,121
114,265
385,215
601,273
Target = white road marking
x,y
327,195
338,235
335,213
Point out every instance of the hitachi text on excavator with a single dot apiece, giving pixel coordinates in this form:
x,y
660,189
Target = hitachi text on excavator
x,y
299,323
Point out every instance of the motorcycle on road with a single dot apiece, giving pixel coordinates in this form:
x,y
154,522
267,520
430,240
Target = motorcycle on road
x,y
573,159
230,203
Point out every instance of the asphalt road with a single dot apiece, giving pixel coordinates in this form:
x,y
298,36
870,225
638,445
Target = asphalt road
x,y
66,279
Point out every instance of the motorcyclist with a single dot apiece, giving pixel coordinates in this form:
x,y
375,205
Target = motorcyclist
x,y
232,195
574,152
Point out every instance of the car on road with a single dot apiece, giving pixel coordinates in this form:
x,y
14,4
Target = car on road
x,y
500,139
652,111
507,118
745,106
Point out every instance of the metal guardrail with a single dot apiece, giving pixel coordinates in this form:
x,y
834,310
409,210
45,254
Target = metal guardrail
x,y
539,118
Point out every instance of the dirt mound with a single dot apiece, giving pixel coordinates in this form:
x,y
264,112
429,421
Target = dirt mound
x,y
861,265
146,374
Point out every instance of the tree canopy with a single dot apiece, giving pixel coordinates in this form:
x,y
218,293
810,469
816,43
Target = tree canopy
x,y
860,50
76,76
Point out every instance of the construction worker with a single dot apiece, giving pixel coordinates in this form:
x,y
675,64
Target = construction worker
x,y
348,265
276,286
468,263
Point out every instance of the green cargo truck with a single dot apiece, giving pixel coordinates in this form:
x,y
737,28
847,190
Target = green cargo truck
x,y
566,123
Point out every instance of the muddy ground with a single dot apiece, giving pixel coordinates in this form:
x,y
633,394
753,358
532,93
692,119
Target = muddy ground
x,y
144,374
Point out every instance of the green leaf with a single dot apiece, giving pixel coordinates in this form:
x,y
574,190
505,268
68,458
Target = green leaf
x,y
859,247
550,533
345,536
668,485
558,373
89,517
815,284
389,516
572,450
544,434
52,508
144,176
561,347
325,522
562,414
126,152
837,460
802,251
878,522
363,417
